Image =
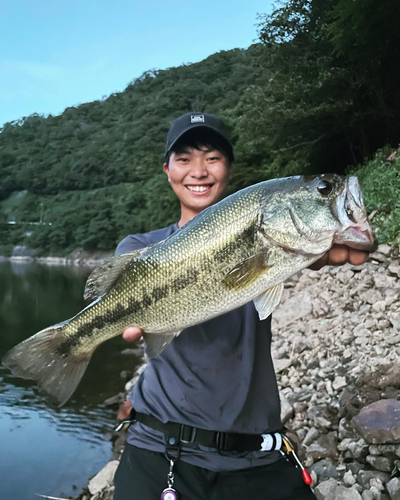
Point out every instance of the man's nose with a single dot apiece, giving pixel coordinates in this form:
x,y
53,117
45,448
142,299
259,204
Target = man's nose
x,y
199,169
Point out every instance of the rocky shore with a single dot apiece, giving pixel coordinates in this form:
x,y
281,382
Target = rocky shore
x,y
336,351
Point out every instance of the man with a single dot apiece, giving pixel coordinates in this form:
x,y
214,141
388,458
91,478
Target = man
x,y
215,381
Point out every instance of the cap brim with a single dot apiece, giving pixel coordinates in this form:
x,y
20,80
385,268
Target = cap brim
x,y
191,127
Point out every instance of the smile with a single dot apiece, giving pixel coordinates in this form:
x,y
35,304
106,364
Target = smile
x,y
199,189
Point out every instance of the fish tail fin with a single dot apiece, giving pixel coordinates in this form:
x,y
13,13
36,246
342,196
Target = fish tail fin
x,y
42,358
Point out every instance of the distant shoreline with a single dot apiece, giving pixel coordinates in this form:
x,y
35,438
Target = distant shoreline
x,y
76,258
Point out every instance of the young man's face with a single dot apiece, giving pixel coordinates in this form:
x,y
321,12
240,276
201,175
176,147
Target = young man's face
x,y
198,177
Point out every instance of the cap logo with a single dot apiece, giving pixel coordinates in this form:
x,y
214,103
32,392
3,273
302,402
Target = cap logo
x,y
197,119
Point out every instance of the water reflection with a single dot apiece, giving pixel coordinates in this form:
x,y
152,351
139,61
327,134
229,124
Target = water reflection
x,y
45,449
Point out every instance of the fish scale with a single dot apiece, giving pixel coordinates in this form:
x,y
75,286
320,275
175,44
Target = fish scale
x,y
236,251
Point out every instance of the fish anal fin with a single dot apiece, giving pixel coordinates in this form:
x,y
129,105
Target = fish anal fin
x,y
104,277
46,358
156,343
267,301
247,272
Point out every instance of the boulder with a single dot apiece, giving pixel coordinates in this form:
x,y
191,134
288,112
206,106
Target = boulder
x,y
379,422
104,478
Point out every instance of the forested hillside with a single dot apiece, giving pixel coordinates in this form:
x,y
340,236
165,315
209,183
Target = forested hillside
x,y
318,93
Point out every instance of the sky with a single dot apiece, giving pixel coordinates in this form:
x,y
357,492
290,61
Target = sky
x,y
55,54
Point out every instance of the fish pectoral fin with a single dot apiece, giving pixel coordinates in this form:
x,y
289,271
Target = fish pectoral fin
x,y
104,277
247,272
156,343
267,301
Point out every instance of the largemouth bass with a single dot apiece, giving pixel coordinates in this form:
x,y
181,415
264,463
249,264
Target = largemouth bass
x,y
239,250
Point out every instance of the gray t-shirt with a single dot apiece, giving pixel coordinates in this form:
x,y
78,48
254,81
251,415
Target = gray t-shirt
x,y
217,375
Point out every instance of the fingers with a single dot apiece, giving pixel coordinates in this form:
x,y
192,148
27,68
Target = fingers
x,y
338,255
124,411
357,257
132,334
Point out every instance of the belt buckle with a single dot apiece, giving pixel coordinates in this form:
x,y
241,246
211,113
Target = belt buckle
x,y
192,436
220,439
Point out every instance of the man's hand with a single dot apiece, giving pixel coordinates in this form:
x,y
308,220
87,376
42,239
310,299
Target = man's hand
x,y
125,410
339,255
132,334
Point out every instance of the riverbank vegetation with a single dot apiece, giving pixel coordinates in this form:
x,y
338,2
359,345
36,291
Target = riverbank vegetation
x,y
317,93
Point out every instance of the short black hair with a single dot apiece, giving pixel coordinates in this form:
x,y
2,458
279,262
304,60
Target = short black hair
x,y
200,138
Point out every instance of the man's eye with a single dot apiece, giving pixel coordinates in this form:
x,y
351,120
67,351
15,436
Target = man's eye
x,y
213,158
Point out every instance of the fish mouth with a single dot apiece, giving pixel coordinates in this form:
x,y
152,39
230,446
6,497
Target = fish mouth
x,y
357,238
355,231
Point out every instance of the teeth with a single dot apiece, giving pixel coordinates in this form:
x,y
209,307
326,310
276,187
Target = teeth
x,y
198,189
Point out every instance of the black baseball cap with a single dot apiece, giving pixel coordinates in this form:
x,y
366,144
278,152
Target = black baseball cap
x,y
189,121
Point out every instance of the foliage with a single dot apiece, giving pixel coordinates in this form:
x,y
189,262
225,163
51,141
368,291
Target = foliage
x,y
380,181
331,97
318,93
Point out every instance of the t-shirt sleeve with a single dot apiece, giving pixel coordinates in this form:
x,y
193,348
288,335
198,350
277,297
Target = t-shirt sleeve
x,y
131,243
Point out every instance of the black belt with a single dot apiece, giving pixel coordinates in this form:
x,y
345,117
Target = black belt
x,y
176,434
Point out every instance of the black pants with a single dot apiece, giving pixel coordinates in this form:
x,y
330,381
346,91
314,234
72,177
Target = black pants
x,y
142,475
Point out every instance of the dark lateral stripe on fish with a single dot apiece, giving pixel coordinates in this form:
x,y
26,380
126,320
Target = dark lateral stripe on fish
x,y
114,315
183,281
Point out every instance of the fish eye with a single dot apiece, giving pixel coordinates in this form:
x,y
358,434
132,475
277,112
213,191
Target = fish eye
x,y
324,187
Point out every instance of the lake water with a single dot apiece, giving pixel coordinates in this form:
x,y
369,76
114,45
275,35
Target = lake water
x,y
44,449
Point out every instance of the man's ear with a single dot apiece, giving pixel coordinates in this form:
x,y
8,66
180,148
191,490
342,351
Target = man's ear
x,y
166,170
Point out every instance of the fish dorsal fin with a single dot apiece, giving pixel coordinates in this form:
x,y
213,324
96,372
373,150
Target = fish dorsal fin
x,y
267,301
247,272
156,343
104,277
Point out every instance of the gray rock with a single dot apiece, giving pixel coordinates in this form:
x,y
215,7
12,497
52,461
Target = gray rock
x,y
326,490
376,494
377,484
349,479
358,449
379,422
330,490
384,249
324,470
104,478
286,409
324,447
355,467
282,364
367,495
364,477
393,487
311,436
339,383
380,463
